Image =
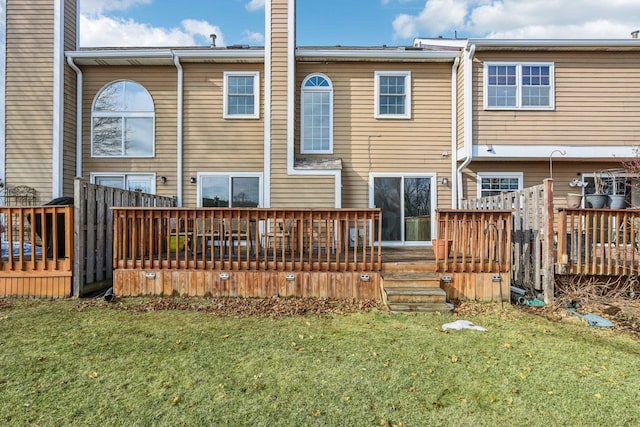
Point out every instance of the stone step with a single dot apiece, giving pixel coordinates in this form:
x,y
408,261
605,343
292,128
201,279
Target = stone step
x,y
418,307
415,294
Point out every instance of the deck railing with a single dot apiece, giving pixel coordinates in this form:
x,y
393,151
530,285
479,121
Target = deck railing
x,y
474,241
37,251
598,241
244,239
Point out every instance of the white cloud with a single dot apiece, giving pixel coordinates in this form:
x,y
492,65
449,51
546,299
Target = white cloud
x,y
522,19
252,37
103,31
254,5
436,17
91,7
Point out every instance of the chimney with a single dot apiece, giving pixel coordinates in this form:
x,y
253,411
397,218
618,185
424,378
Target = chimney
x,y
634,34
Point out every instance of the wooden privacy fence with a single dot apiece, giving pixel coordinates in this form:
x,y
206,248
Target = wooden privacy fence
x,y
473,241
532,252
37,251
93,268
598,241
247,239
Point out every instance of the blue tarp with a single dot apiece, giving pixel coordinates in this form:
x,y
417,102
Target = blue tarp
x,y
16,249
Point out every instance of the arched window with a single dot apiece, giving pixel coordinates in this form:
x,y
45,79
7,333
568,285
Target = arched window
x,y
316,115
122,121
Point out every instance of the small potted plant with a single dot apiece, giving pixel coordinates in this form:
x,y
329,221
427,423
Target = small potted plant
x,y
599,197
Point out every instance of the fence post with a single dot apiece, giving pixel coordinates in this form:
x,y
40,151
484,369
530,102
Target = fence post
x,y
79,237
548,285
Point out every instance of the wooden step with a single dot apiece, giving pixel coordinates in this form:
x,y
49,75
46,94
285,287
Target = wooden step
x,y
416,294
418,307
405,279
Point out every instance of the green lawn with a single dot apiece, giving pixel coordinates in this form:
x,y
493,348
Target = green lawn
x,y
69,363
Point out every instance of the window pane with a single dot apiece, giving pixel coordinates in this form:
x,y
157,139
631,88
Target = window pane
x,y
491,186
215,191
137,98
316,121
135,183
240,95
110,181
138,137
111,98
246,192
392,95
107,136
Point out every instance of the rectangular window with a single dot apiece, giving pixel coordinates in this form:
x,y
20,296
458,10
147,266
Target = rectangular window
x,y
393,94
241,95
527,86
131,182
229,191
494,183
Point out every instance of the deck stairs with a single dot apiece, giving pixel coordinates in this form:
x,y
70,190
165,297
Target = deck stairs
x,y
413,291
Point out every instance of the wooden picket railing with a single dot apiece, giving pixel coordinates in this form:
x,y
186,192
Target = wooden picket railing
x,y
247,239
37,251
598,241
475,241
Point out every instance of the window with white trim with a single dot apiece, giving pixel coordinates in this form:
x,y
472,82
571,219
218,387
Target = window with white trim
x,y
122,121
526,86
316,115
494,183
393,94
241,94
225,190
144,182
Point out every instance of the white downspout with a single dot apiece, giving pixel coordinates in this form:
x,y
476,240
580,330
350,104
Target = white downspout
x,y
291,90
179,138
454,132
3,101
468,116
79,107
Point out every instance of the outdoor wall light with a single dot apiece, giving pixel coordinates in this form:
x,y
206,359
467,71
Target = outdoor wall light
x,y
446,279
193,179
224,276
444,180
364,277
290,277
163,179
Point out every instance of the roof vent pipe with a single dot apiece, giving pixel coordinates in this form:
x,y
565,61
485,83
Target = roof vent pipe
x,y
213,39
634,34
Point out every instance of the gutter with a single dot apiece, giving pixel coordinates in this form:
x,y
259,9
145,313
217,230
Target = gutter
x,y
454,132
179,138
79,107
468,118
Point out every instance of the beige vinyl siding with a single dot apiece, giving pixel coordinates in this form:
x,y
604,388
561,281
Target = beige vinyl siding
x,y
212,143
289,191
69,101
401,146
29,95
161,83
596,101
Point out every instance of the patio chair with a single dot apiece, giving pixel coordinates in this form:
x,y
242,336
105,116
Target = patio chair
x,y
280,231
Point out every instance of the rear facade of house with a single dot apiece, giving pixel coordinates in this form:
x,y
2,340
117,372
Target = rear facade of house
x,y
406,129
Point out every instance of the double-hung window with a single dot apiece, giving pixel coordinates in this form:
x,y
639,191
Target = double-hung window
x,y
494,183
526,86
393,94
241,95
316,115
122,121
229,190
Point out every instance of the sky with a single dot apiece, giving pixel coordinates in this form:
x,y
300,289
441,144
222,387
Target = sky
x,y
145,23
